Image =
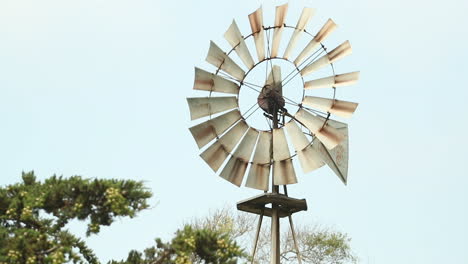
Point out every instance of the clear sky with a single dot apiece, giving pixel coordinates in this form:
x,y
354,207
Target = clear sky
x,y
98,88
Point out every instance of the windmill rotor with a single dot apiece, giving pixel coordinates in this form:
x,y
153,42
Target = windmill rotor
x,y
303,130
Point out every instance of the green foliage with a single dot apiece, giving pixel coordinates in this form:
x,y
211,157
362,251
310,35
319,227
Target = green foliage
x,y
34,214
190,245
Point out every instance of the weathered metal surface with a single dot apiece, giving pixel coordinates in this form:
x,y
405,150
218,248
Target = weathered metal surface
x,y
233,136
215,155
337,158
258,177
338,80
259,171
235,39
328,135
287,205
207,81
306,15
309,159
324,32
234,170
221,60
334,55
340,108
283,173
256,23
280,145
271,95
299,140
207,131
205,106
279,27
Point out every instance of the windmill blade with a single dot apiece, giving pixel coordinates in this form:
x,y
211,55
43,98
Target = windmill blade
x,y
310,159
221,60
336,107
260,170
306,15
283,173
235,39
280,145
279,27
256,23
334,55
217,153
337,158
208,81
327,134
338,80
205,106
324,32
207,131
234,170
296,135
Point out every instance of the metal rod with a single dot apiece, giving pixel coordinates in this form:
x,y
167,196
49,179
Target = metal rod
x,y
275,223
257,234
299,259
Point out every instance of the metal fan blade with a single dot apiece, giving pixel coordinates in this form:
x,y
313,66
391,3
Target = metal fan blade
x,y
306,15
327,134
234,37
338,80
215,155
280,145
234,170
207,131
296,135
309,159
326,30
279,27
340,108
260,169
233,136
337,158
221,60
205,106
283,173
256,23
208,81
334,55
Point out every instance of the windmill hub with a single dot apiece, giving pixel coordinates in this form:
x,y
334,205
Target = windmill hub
x,y
271,98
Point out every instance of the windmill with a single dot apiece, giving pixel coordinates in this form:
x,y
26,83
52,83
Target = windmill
x,y
263,158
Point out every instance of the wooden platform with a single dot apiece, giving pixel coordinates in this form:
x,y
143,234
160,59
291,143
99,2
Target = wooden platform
x,y
287,205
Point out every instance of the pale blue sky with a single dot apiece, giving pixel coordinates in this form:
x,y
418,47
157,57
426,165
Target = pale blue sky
x,y
98,88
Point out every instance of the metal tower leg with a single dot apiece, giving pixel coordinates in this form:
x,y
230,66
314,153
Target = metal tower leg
x,y
259,228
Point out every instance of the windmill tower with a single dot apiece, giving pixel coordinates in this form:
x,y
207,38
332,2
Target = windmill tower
x,y
303,129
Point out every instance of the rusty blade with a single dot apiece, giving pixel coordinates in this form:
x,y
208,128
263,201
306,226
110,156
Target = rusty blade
x,y
234,170
258,177
309,159
235,39
283,173
306,15
207,131
340,108
338,80
327,134
279,27
280,145
207,81
215,155
334,55
337,158
324,32
299,140
263,150
233,136
256,23
221,60
205,106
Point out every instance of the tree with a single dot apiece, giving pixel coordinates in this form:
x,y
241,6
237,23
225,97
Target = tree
x,y
34,215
